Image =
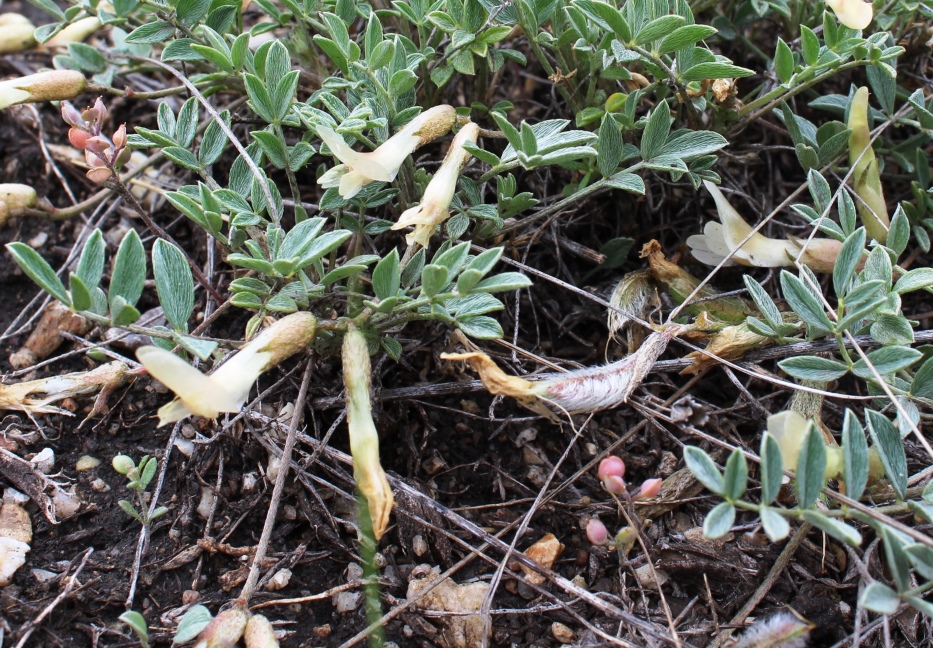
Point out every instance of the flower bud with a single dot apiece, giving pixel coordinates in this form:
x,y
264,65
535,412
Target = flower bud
x,y
43,86
15,199
78,138
625,539
98,144
866,176
123,464
650,488
75,32
611,465
597,533
72,115
99,175
614,484
16,33
854,14
119,137
364,439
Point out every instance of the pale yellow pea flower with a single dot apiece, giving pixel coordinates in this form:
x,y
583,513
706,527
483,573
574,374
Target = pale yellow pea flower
x,y
854,14
434,207
359,169
227,389
722,241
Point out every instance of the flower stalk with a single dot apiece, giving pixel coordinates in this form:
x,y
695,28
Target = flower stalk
x,y
364,439
226,389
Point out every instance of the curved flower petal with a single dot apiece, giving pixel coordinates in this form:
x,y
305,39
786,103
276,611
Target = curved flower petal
x,y
854,14
197,394
434,208
382,165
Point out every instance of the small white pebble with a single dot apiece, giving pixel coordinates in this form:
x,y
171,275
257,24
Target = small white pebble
x,y
100,486
13,496
354,572
184,446
44,461
67,503
279,580
250,481
207,502
44,575
87,462
272,470
419,545
346,602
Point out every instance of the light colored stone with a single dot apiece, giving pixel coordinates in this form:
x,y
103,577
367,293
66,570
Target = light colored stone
x,y
562,633
87,462
464,631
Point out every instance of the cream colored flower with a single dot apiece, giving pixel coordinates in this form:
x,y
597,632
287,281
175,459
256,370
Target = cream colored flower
x,y
434,207
226,389
789,429
15,199
16,33
866,177
364,439
381,165
722,241
43,86
854,14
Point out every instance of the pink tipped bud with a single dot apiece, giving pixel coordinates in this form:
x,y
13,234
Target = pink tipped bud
x,y
99,175
71,115
101,109
78,138
650,488
119,137
615,485
98,145
597,533
611,466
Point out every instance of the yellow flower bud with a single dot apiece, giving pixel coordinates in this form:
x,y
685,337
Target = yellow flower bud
x,y
364,439
381,165
227,388
15,199
43,86
16,33
866,177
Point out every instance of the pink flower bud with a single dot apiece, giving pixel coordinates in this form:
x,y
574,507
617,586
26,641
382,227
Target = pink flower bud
x,y
71,115
596,532
99,175
101,109
611,465
650,488
78,138
119,137
614,484
97,144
